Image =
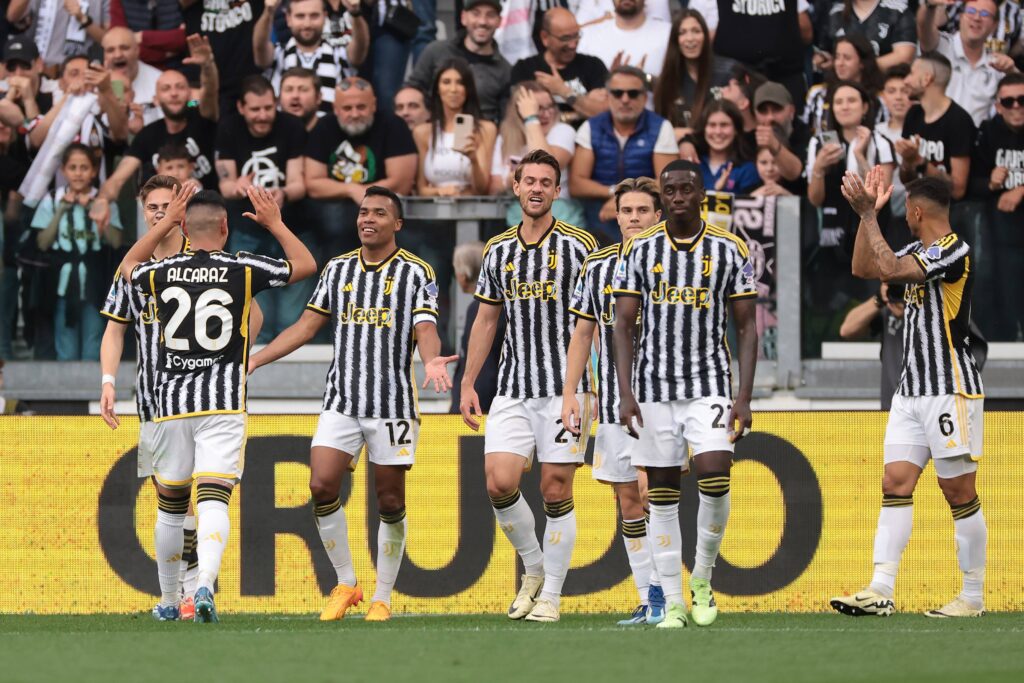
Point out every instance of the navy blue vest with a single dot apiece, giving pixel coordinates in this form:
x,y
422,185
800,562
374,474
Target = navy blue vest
x,y
613,163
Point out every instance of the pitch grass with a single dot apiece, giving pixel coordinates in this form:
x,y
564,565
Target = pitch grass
x,y
580,649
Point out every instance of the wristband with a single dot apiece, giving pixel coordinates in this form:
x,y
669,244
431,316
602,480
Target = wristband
x,y
84,23
531,118
108,379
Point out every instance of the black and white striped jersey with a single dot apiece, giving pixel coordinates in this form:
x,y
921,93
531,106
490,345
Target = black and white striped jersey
x,y
685,288
534,283
131,304
202,301
374,309
594,300
937,357
329,63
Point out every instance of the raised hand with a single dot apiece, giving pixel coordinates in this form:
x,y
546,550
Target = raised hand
x,y
723,180
437,372
526,104
199,50
268,213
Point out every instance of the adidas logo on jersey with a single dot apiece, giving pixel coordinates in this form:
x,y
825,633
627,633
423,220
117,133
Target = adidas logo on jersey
x,y
607,289
347,287
658,269
509,267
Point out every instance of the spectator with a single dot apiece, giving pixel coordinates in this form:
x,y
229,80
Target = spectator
x,y
631,37
770,176
14,165
739,88
575,80
195,128
937,133
591,11
444,170
767,37
466,261
157,25
976,69
686,75
532,123
343,28
72,30
392,41
854,61
260,147
346,153
65,227
300,96
881,316
24,104
627,141
121,54
1008,26
998,171
229,27
856,148
492,73
174,160
724,154
887,26
896,98
411,106
307,46
780,132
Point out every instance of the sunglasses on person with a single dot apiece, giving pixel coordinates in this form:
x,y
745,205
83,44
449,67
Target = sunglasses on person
x,y
632,93
1008,102
983,13
353,82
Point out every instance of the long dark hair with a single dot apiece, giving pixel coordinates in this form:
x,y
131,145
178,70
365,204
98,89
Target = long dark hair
x,y
472,104
667,89
740,147
865,97
870,74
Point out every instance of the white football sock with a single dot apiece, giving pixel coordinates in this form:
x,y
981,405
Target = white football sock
x,y
211,539
333,528
971,539
559,540
390,550
168,540
666,541
655,581
515,518
634,537
712,516
188,551
895,522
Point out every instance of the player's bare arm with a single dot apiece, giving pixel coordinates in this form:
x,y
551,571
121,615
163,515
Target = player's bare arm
x,y
873,258
301,332
143,249
111,349
626,310
744,312
434,364
575,365
480,339
268,214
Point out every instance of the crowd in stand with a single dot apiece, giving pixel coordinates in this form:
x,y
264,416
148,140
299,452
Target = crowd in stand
x,y
316,100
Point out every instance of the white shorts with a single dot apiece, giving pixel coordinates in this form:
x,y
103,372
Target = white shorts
x,y
389,442
948,426
613,455
533,426
673,428
188,448
147,433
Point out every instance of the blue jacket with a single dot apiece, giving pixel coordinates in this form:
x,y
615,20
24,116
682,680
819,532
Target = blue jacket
x,y
613,163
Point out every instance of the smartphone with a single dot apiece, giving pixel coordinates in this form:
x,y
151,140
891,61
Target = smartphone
x,y
829,137
118,88
463,130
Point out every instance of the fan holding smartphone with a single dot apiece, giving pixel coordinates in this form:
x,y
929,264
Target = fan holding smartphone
x,y
456,146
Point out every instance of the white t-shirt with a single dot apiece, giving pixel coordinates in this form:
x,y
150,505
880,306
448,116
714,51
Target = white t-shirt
x,y
591,10
709,10
561,135
972,87
665,144
646,44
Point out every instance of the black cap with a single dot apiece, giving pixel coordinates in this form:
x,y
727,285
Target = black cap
x,y
20,49
470,4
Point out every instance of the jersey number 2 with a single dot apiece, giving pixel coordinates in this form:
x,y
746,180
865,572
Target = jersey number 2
x,y
210,304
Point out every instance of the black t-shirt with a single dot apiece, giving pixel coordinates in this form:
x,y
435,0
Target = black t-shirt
x,y
890,23
359,159
228,24
998,145
198,137
265,158
583,74
950,136
799,139
764,34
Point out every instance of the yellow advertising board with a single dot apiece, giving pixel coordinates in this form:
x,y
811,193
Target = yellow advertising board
x,y
76,524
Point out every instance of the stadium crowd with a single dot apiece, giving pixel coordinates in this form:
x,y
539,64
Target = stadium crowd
x,y
316,100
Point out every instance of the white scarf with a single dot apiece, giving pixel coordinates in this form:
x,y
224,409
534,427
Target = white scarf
x,y
64,130
47,18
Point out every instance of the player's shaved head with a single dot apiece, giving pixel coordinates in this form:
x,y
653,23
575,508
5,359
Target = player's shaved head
x,y
929,190
206,214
